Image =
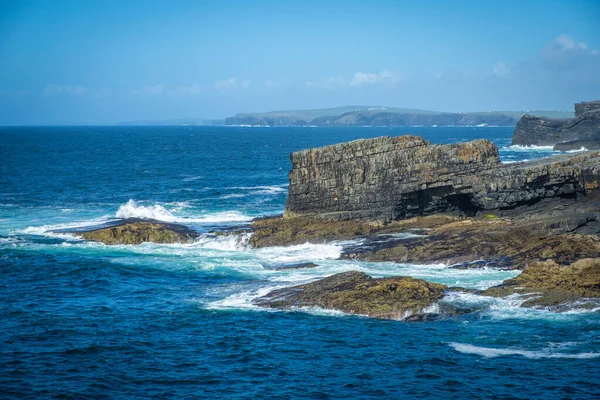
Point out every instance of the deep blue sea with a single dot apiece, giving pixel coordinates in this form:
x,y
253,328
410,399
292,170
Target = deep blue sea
x,y
85,320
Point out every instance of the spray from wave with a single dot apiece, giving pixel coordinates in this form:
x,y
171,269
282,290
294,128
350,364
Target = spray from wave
x,y
133,209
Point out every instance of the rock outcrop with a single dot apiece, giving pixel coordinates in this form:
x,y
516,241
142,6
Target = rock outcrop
x,y
387,179
357,293
549,284
563,134
137,231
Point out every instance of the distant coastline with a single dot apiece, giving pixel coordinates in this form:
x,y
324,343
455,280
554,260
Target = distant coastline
x,y
367,116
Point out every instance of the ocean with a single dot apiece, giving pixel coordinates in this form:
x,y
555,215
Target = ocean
x,y
86,320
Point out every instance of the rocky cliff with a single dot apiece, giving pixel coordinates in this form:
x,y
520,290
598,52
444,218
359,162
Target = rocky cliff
x,y
563,134
386,179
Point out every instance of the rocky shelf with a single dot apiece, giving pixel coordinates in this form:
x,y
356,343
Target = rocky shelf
x,y
583,131
469,209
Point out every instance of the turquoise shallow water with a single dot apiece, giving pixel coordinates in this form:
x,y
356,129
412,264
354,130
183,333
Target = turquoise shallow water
x,y
86,320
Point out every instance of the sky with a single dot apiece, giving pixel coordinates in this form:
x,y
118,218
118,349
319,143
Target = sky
x,y
101,62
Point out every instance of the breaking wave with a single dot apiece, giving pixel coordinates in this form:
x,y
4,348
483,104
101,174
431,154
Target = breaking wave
x,y
133,209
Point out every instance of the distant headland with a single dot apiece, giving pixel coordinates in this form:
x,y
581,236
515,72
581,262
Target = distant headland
x,y
385,116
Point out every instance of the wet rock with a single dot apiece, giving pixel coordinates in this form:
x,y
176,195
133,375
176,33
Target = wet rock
x,y
295,266
136,231
554,285
563,134
357,293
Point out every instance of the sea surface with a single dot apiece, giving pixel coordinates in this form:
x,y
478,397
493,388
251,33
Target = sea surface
x,y
86,320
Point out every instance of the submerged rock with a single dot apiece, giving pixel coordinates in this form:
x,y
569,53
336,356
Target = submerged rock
x,y
554,285
563,134
357,293
136,231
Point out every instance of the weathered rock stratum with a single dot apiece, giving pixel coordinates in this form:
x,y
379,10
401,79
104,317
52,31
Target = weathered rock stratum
x,y
386,179
563,134
136,231
357,293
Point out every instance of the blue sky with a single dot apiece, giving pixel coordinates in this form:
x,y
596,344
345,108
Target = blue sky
x,y
109,61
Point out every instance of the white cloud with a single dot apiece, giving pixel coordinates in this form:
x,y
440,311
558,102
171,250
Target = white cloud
x,y
273,84
361,78
152,90
565,45
193,89
501,69
72,90
327,83
225,84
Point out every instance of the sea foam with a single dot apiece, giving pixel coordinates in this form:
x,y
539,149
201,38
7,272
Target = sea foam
x,y
491,352
133,209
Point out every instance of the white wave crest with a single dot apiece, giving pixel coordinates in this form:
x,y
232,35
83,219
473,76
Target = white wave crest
x,y
532,148
133,209
225,243
299,253
577,150
490,352
48,230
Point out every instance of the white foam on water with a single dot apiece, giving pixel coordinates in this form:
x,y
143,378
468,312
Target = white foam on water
x,y
299,253
242,300
192,178
518,147
577,150
225,243
47,230
491,352
133,209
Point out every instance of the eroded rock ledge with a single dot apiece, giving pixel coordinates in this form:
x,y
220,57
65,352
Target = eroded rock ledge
x,y
137,231
357,293
563,134
468,209
386,179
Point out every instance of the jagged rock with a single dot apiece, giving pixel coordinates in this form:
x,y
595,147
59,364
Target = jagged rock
x,y
357,293
554,285
502,243
563,134
386,179
136,231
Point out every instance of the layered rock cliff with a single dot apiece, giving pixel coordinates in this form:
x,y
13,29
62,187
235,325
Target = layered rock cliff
x,y
386,179
563,134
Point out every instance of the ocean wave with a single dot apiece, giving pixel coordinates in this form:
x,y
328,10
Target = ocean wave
x,y
225,243
49,230
299,253
577,150
192,178
491,352
532,148
133,209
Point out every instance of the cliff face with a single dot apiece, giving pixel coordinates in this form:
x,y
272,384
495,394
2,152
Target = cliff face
x,y
395,178
563,134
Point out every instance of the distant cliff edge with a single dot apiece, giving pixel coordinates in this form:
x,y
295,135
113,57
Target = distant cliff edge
x,y
583,131
381,116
